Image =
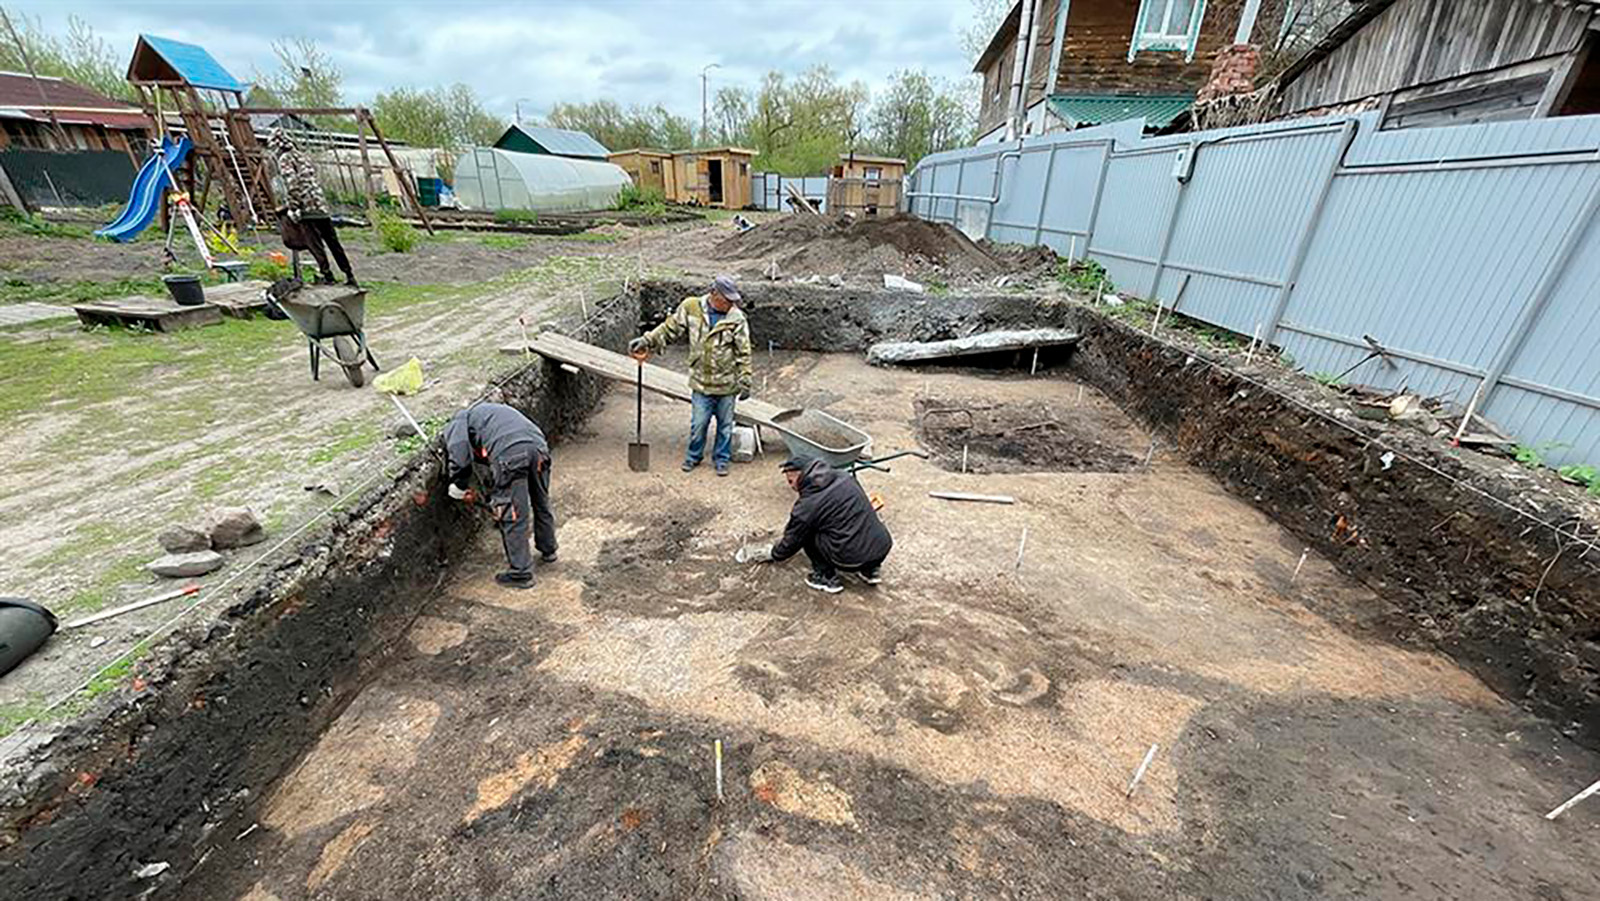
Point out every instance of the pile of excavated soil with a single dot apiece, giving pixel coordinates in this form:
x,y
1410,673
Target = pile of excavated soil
x,y
804,245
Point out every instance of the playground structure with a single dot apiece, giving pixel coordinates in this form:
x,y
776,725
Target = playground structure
x,y
206,136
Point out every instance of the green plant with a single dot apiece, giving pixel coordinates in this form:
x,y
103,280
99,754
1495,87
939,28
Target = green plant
x,y
268,268
395,234
413,442
1582,473
512,217
1083,276
937,287
650,201
37,227
1330,379
1528,456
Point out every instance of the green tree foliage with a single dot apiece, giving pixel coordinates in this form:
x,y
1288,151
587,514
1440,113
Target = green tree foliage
x,y
986,18
448,118
917,115
623,129
306,77
81,56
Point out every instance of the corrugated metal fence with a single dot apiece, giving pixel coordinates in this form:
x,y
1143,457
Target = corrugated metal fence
x,y
1470,253
768,191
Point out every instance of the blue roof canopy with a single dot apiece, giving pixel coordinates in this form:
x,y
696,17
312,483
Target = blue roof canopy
x,y
191,63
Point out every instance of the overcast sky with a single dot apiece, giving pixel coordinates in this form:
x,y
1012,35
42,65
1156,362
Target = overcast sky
x,y
633,51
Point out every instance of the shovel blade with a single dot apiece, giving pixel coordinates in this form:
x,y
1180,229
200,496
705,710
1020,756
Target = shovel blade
x,y
638,457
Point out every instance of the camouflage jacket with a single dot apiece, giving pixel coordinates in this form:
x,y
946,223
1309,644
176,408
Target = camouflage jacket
x,y
719,358
302,192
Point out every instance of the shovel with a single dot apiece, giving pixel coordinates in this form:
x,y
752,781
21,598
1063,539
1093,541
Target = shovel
x,y
638,451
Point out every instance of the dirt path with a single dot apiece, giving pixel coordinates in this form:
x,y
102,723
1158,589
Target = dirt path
x,y
112,436
967,729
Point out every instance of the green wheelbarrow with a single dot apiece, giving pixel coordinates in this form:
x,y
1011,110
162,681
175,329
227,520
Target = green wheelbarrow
x,y
331,319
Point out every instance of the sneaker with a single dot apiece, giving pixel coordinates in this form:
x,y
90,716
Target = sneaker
x,y
688,466
514,580
820,582
870,576
548,558
722,469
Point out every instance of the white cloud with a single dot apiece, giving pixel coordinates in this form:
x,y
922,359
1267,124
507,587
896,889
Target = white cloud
x,y
631,51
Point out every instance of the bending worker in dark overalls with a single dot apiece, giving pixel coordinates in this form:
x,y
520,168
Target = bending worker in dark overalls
x,y
518,458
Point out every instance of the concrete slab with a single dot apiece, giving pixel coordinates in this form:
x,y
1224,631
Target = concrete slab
x,y
22,313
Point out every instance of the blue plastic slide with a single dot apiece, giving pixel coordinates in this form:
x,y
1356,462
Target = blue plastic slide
x,y
144,201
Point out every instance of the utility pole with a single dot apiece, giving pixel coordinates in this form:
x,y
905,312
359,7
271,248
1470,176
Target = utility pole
x,y
705,131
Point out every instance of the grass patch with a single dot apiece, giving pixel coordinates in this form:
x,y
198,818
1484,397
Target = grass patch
x,y
13,714
103,590
15,222
351,439
515,216
395,234
505,242
16,289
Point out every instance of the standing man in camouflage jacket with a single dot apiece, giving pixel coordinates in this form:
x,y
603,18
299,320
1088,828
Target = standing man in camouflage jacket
x,y
719,364
306,209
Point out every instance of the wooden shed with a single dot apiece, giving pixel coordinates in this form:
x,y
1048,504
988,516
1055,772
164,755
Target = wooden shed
x,y
713,176
649,169
866,185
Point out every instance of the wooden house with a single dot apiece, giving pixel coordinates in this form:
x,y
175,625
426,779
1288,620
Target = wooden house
x,y
1088,62
649,169
543,139
1448,62
713,176
31,108
867,185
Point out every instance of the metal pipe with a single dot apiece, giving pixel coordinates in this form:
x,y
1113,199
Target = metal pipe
x,y
1534,308
999,171
1019,71
1099,192
1044,195
1302,245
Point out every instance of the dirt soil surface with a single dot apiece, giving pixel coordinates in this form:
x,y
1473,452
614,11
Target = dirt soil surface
x,y
850,247
1085,434
967,729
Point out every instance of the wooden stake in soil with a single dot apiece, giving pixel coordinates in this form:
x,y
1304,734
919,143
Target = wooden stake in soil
x,y
1143,765
1572,801
1034,369
1021,546
1250,355
1080,395
1149,455
1306,553
963,458
717,747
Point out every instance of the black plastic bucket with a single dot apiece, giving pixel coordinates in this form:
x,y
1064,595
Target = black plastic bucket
x,y
185,289
24,626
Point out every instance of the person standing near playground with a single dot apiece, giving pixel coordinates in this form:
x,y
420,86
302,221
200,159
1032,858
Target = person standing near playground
x,y
719,364
305,208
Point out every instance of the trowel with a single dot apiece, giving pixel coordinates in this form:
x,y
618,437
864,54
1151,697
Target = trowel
x,y
638,451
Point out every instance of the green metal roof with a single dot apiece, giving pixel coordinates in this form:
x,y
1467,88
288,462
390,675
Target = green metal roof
x,y
1098,109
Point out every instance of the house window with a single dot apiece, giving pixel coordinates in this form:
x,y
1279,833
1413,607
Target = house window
x,y
655,167
874,173
744,168
1169,25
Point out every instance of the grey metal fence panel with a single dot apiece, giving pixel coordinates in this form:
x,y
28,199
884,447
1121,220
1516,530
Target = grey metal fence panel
x,y
1468,253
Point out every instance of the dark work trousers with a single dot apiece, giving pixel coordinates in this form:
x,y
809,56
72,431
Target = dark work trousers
x,y
821,565
521,500
320,232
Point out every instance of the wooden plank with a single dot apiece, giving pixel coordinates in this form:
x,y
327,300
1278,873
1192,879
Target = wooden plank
x,y
974,498
985,343
147,312
623,368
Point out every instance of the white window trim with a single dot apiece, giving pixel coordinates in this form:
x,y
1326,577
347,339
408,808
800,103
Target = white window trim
x,y
1143,40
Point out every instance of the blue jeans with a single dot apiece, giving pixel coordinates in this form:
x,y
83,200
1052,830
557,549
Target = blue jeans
x,y
706,406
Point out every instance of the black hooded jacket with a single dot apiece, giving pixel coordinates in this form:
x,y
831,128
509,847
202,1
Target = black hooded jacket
x,y
835,513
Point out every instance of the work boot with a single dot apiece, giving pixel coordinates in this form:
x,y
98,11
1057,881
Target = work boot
x,y
514,579
722,469
548,558
820,582
689,466
324,278
871,576
350,281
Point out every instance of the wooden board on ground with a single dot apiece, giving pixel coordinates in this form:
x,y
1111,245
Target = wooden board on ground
x,y
157,313
241,300
985,343
612,365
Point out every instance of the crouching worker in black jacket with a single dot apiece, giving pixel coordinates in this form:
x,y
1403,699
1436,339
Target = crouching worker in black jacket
x,y
834,523
519,465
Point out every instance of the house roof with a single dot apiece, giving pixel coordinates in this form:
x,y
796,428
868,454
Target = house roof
x,y
1002,36
1361,12
642,151
1098,109
72,103
160,59
559,141
868,158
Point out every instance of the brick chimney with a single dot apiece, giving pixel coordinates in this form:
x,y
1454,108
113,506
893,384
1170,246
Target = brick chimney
x,y
1233,72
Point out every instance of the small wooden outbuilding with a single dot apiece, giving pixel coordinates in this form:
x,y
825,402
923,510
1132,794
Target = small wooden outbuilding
x,y
713,176
866,185
649,169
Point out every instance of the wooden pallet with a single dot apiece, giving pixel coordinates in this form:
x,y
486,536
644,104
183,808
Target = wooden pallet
x,y
240,300
156,313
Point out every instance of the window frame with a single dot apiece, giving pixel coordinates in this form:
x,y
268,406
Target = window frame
x,y
1165,41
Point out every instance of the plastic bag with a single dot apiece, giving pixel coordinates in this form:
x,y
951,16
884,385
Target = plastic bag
x,y
405,380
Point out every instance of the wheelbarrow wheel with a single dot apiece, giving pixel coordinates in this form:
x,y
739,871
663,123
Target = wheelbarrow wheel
x,y
345,349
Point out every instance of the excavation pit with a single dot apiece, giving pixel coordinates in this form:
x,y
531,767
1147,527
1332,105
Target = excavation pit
x,y
1079,433
966,729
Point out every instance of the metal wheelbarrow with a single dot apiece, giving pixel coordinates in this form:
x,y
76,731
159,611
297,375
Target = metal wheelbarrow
x,y
331,320
814,435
